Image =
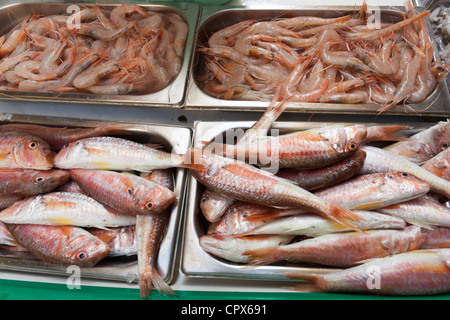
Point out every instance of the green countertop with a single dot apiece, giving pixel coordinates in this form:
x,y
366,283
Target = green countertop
x,y
26,290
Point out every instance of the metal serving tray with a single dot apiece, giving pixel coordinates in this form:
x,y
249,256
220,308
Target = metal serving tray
x,y
171,138
171,96
431,5
216,18
197,263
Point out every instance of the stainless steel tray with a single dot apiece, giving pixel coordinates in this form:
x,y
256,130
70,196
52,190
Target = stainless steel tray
x,y
215,18
197,263
173,139
431,5
171,96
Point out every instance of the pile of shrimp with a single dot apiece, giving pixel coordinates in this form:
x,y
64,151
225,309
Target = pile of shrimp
x,y
124,50
324,60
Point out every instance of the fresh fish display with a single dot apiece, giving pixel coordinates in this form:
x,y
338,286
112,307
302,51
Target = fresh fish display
x,y
234,248
315,179
423,211
341,249
113,153
149,233
24,151
246,183
380,160
439,165
28,182
399,205
125,192
57,137
423,145
416,272
66,245
64,208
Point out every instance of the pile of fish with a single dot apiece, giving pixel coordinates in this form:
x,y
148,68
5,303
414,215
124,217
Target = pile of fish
x,y
326,60
75,196
348,198
123,50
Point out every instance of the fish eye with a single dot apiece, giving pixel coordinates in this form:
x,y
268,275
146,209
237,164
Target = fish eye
x,y
203,200
444,146
352,145
130,191
81,256
66,145
39,179
405,174
149,205
32,145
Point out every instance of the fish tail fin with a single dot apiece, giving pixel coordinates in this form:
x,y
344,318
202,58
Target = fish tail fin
x,y
150,280
345,217
387,133
261,256
161,286
309,278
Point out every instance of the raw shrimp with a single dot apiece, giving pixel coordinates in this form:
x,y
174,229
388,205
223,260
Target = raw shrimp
x,y
118,14
350,97
377,34
300,22
93,75
49,62
181,31
102,34
16,38
219,38
30,69
9,63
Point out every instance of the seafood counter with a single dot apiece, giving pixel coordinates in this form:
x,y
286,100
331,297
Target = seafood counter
x,y
248,235
301,201
56,212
